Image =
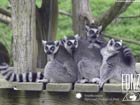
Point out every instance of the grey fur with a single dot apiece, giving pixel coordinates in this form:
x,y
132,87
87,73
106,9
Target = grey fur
x,y
9,74
62,68
88,61
87,55
113,66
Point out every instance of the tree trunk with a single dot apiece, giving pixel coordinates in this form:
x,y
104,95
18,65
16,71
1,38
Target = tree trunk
x,y
24,35
81,15
46,27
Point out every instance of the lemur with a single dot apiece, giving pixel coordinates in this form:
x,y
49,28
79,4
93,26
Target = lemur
x,y
96,38
9,74
113,64
62,67
87,56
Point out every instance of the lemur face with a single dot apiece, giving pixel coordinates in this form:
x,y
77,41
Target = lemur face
x,y
50,47
114,45
70,43
93,32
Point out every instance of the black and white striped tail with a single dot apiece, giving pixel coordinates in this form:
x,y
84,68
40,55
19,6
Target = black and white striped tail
x,y
127,55
11,76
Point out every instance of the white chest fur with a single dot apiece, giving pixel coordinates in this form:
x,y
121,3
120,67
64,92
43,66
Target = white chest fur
x,y
105,54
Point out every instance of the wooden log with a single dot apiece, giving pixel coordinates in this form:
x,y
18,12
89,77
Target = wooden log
x,y
46,23
59,87
24,35
5,84
81,15
117,88
114,88
86,87
28,86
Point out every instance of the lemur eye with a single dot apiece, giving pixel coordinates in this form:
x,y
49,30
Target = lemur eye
x,y
46,47
91,32
69,43
75,43
117,45
52,48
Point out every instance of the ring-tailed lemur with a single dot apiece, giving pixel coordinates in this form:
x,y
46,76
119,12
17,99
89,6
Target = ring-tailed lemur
x,y
113,64
61,68
93,36
9,74
88,58
96,38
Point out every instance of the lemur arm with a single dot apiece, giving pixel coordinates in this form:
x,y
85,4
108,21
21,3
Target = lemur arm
x,y
106,73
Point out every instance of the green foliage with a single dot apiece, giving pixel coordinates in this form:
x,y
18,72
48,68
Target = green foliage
x,y
126,28
65,22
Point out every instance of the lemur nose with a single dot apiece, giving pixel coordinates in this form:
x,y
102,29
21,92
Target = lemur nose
x,y
48,52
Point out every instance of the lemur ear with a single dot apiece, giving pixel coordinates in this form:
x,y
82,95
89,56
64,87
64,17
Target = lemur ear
x,y
121,41
87,28
65,37
100,28
112,40
77,36
63,40
57,43
44,42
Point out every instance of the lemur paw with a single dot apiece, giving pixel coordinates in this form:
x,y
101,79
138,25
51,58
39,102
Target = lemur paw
x,y
94,80
83,81
101,84
42,81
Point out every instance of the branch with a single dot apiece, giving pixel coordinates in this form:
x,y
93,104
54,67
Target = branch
x,y
112,13
124,8
5,16
137,16
5,12
65,13
124,39
5,19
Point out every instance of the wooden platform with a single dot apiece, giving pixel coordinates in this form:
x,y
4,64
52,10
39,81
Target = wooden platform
x,y
14,93
61,94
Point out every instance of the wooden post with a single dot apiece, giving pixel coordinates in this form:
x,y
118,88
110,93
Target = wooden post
x,y
24,35
46,24
81,13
